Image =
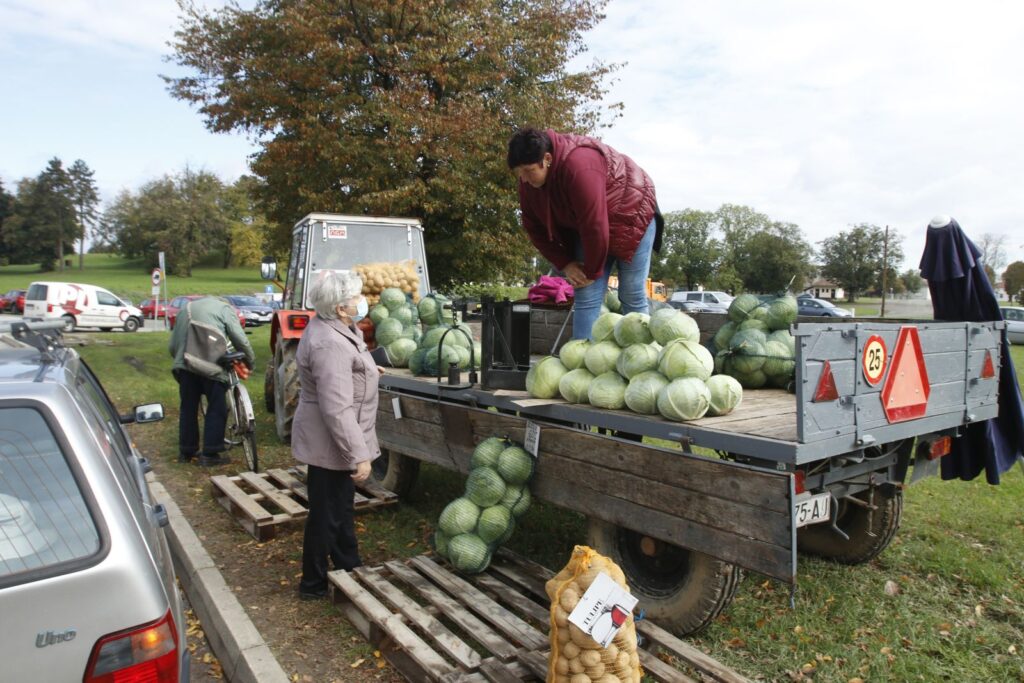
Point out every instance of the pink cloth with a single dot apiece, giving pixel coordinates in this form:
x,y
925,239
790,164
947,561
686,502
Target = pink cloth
x,y
550,289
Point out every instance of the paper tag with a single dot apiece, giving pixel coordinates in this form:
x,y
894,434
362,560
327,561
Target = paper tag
x,y
531,440
337,232
603,609
396,405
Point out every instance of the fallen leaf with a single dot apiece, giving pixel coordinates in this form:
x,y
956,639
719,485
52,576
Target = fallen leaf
x,y
1012,649
886,650
857,679
357,663
891,588
798,629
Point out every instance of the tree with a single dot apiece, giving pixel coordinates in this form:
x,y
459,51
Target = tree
x,y
912,281
853,259
401,109
42,219
248,228
6,211
774,259
86,199
993,251
689,253
1013,281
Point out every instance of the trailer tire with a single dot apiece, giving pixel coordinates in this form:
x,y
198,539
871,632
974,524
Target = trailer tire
x,y
268,389
866,541
683,590
395,472
286,387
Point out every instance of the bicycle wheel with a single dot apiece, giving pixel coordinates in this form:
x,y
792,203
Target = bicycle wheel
x,y
246,433
249,447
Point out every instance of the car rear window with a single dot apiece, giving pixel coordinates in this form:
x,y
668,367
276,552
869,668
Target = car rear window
x,y
37,292
44,519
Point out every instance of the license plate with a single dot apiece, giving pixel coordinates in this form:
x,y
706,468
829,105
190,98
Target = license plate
x,y
811,509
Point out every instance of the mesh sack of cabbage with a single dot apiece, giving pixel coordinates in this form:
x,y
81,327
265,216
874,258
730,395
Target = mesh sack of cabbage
x,y
497,493
575,656
440,346
757,359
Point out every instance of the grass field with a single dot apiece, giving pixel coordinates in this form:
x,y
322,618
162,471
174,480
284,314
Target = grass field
x,y
954,609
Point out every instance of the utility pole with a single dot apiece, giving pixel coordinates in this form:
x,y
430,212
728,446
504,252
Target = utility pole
x,y
885,266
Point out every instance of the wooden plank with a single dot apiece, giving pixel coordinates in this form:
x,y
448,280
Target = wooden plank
x,y
508,623
222,485
451,608
689,654
511,597
659,670
496,672
535,662
418,616
281,500
432,664
286,480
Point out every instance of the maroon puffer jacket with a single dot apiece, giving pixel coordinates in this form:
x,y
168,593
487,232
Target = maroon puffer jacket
x,y
595,191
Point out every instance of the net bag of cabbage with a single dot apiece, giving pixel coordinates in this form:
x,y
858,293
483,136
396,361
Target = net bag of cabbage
x,y
575,656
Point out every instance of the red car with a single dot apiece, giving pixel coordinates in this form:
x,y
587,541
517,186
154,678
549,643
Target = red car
x,y
179,302
13,301
147,307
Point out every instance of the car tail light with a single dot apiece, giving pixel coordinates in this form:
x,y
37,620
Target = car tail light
x,y
940,447
145,654
800,481
49,308
298,322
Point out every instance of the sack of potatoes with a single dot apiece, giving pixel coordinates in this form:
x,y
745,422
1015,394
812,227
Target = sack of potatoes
x,y
380,276
575,656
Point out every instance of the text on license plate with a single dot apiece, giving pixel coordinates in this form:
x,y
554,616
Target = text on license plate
x,y
811,509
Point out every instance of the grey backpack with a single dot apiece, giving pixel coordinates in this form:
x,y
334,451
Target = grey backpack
x,y
205,344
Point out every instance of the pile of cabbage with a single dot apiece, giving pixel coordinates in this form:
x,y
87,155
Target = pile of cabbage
x,y
497,493
755,346
653,365
425,350
396,325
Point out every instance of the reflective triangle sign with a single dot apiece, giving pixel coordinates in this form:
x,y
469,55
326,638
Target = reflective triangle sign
x,y
905,393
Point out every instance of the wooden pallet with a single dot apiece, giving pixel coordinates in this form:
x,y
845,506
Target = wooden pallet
x,y
435,625
266,501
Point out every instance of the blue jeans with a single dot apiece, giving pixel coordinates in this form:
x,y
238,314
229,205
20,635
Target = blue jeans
x,y
632,286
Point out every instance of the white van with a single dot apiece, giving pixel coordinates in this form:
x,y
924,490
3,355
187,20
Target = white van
x,y
80,306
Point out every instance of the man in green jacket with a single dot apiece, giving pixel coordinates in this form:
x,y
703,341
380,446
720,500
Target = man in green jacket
x,y
192,387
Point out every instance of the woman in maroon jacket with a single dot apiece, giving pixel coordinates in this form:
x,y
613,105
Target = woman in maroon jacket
x,y
587,208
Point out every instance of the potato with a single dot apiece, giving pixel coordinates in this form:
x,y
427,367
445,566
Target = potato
x,y
571,650
563,636
561,666
590,658
576,666
561,616
623,660
582,639
580,678
610,654
568,599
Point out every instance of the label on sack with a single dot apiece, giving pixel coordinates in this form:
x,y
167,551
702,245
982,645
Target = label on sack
x,y
603,609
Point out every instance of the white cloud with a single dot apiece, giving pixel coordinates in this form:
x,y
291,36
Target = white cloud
x,y
110,24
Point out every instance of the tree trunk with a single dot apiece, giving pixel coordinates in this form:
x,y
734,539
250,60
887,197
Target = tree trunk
x,y
81,250
60,254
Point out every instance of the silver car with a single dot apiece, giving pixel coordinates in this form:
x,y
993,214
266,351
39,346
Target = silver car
x,y
87,588
1014,316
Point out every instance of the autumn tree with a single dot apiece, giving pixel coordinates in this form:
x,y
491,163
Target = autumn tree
x,y
853,259
1013,281
394,108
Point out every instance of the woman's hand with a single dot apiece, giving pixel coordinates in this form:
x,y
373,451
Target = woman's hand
x,y
362,472
574,274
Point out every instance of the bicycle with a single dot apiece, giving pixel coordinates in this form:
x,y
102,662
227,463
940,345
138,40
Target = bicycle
x,y
241,419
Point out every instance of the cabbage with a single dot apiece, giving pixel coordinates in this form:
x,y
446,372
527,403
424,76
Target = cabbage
x,y
604,327
722,364
726,394
684,399
463,354
668,324
486,453
786,338
515,466
611,301
431,309
608,391
742,306
433,336
484,486
684,358
747,351
753,324
572,353
782,313
777,360
642,393
782,382
441,543
517,499
468,553
542,379
724,334
399,352
494,523
462,336
379,313
416,361
449,355
575,384
402,313
760,312
751,380
388,331
602,357
459,517
633,328
393,298
635,359
477,355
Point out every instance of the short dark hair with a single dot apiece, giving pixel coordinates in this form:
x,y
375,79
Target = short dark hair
x,y
528,146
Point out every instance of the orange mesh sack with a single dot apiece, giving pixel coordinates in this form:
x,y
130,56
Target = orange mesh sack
x,y
575,656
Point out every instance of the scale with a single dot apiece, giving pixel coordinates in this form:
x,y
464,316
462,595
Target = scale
x,y
505,344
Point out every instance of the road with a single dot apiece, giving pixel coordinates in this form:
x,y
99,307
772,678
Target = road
x,y
149,326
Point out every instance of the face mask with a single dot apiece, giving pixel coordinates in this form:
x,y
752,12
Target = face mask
x,y
362,308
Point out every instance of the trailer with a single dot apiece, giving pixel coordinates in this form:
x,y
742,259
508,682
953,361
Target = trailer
x,y
684,507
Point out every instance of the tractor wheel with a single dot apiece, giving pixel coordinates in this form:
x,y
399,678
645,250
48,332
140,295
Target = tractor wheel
x,y
268,389
870,531
681,589
395,472
286,387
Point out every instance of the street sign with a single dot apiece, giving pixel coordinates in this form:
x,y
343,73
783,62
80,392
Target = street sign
x,y
155,291
156,277
874,360
906,389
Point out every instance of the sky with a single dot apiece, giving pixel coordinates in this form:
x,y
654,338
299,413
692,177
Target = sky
x,y
823,114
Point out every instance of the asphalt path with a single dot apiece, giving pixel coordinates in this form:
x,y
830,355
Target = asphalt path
x,y
148,326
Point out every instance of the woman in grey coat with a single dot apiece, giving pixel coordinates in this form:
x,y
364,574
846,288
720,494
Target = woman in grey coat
x,y
334,427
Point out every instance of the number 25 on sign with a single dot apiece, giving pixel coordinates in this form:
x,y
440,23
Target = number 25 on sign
x,y
874,359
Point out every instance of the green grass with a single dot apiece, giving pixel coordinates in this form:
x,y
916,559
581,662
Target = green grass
x,y
957,562
130,277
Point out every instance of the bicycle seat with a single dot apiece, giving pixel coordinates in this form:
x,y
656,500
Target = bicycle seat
x,y
231,357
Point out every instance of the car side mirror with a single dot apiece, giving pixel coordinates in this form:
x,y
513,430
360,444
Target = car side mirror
x,y
268,268
150,412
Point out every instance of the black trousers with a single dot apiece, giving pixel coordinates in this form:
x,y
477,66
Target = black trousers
x,y
191,387
330,527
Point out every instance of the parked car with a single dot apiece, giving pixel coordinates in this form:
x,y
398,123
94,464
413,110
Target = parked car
x,y
256,312
80,305
692,307
87,586
9,302
179,302
1014,316
716,302
149,306
820,307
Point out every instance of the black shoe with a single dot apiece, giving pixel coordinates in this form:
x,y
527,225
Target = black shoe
x,y
312,595
213,460
182,458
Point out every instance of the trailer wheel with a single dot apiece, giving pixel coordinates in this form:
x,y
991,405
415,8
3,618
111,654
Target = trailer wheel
x,y
268,389
866,540
395,472
681,589
286,388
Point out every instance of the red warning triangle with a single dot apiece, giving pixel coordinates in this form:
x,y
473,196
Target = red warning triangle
x,y
905,394
826,390
988,369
